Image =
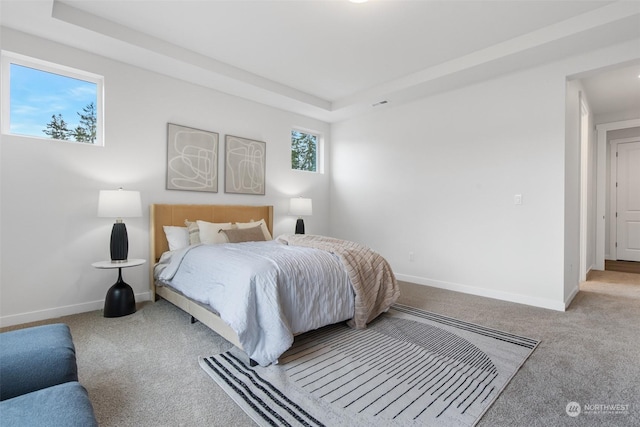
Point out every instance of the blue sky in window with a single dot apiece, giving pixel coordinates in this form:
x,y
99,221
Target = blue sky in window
x,y
37,95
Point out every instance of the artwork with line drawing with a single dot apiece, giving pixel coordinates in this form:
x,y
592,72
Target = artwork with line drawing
x,y
245,164
192,159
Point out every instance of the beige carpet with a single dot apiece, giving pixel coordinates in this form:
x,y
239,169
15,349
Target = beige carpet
x,y
142,369
613,283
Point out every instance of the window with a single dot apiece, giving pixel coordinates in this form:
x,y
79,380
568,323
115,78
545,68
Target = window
x,y
45,100
304,151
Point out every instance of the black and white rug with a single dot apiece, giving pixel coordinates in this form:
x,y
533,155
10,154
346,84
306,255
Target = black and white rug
x,y
409,367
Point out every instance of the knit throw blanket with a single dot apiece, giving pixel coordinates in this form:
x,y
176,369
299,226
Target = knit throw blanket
x,y
373,281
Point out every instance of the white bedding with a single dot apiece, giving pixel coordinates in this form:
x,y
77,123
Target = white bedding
x,y
266,291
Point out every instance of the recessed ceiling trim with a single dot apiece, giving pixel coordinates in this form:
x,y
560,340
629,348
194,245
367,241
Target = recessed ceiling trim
x,y
536,47
581,23
74,16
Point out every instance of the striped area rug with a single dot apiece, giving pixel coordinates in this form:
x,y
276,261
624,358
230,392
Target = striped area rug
x,y
409,367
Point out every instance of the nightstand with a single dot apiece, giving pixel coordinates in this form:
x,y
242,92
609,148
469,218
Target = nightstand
x,y
120,300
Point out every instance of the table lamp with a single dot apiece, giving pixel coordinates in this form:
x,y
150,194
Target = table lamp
x,y
300,206
119,204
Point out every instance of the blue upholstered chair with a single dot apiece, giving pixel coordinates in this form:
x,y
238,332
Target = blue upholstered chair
x,y
39,379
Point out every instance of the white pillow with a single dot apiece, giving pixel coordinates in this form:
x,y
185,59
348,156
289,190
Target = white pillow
x,y
263,225
177,237
193,230
210,231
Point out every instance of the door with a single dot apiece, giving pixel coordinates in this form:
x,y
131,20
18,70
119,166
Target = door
x,y
628,202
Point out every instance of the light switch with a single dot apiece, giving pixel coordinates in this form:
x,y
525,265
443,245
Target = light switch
x,y
517,199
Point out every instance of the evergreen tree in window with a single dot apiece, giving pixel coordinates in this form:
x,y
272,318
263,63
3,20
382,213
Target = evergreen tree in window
x,y
303,151
57,128
86,130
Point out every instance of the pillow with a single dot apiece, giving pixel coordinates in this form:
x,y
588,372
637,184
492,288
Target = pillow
x,y
209,231
253,234
263,226
194,232
177,237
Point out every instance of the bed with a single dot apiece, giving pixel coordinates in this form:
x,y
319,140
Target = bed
x,y
276,305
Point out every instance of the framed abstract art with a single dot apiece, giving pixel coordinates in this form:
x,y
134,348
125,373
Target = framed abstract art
x,y
245,162
192,159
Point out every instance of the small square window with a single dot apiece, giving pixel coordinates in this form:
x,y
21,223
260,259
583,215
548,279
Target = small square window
x,y
45,100
304,151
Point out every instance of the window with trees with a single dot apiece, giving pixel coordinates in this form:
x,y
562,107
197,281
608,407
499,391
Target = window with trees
x,y
46,100
304,151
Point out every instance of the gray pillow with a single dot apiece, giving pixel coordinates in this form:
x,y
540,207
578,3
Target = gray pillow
x,y
238,235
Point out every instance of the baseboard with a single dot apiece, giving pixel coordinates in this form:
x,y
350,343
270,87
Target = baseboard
x,y
53,313
571,296
489,293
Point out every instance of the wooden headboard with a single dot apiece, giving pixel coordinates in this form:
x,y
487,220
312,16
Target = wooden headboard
x,y
176,214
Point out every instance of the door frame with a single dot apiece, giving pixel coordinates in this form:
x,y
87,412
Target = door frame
x,y
613,193
584,138
601,190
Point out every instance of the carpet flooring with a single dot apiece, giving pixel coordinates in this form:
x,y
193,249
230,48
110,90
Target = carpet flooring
x,y
142,369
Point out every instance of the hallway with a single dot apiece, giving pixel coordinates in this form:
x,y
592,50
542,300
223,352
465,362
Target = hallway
x,y
612,283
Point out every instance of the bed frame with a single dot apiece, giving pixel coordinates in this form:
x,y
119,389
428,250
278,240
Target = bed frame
x,y
164,214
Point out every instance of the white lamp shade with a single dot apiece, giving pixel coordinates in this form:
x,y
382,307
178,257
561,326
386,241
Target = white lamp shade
x,y
119,204
300,206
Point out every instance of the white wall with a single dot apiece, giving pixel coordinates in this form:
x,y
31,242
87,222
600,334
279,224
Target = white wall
x,y
438,178
575,94
49,231
592,203
618,116
572,189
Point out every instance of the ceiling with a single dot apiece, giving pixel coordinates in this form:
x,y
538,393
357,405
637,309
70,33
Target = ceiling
x,y
334,59
614,90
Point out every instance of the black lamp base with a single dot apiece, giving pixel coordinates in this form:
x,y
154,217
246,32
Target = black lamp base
x,y
119,242
120,300
299,226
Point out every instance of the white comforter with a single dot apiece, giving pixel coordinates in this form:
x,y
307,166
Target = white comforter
x,y
266,291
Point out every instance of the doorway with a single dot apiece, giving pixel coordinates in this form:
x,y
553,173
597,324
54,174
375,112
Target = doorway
x,y
603,208
625,199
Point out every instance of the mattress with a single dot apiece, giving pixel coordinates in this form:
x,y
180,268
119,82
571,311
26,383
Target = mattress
x,y
267,292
